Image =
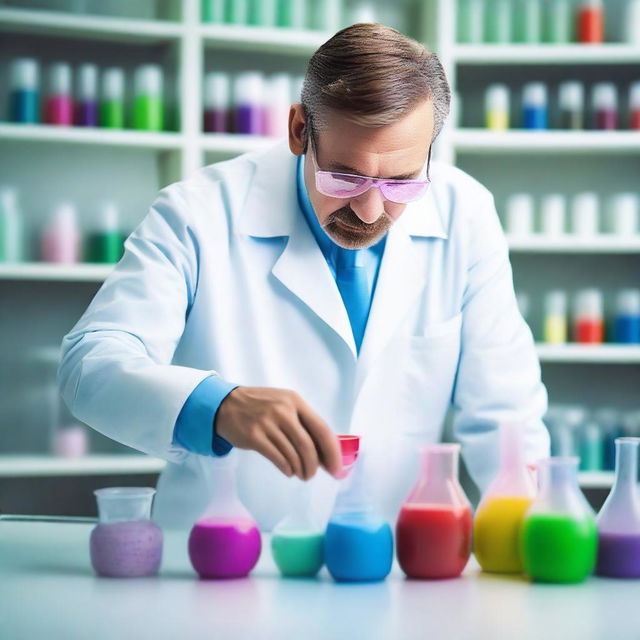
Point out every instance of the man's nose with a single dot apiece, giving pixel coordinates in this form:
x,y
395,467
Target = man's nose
x,y
369,206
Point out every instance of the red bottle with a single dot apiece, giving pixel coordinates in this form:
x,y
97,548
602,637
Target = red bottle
x,y
591,22
434,528
589,320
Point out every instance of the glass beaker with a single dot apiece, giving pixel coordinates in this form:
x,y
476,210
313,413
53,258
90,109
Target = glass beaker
x,y
433,532
559,536
619,519
498,520
125,543
358,543
225,541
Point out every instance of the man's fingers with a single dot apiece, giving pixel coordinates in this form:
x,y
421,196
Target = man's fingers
x,y
325,440
304,445
265,447
287,449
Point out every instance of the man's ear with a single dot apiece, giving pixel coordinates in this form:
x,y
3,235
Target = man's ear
x,y
297,129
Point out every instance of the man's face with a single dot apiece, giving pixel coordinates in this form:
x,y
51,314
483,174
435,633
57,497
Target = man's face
x,y
395,151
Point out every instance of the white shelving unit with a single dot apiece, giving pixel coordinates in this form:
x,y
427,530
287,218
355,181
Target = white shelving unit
x,y
19,466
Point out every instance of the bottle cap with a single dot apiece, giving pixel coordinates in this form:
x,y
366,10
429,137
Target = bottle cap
x,y
589,303
217,90
60,79
604,95
113,84
497,98
24,74
553,214
555,303
249,89
535,94
628,302
88,82
148,80
520,214
571,95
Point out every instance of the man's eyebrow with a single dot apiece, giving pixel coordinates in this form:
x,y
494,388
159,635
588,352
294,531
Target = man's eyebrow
x,y
343,168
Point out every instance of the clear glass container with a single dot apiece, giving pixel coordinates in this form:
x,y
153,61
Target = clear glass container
x,y
434,528
559,536
498,520
619,519
125,543
225,541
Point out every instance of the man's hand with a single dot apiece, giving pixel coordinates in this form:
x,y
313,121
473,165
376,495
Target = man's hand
x,y
281,426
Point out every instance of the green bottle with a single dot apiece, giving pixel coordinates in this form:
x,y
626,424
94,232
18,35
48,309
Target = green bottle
x,y
499,21
148,106
106,246
213,11
292,14
112,103
528,21
470,25
237,12
263,13
558,22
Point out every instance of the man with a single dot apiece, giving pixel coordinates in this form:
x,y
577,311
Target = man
x,y
342,285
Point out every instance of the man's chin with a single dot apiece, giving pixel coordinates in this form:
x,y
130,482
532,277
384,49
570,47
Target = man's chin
x,y
353,240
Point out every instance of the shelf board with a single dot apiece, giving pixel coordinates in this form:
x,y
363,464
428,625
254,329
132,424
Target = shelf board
x,y
234,143
262,39
602,243
88,27
596,479
545,54
159,140
471,140
60,272
585,353
14,466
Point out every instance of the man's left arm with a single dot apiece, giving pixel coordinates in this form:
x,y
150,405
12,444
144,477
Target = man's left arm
x,y
498,376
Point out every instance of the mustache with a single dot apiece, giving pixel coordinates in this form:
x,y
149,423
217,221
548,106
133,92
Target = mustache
x,y
347,216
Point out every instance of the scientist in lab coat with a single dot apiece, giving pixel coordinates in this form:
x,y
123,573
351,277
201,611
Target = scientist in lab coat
x,y
342,283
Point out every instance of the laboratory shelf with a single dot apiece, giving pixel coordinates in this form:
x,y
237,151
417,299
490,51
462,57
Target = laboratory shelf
x,y
15,466
545,54
234,143
57,272
588,353
262,39
470,140
68,25
572,244
159,140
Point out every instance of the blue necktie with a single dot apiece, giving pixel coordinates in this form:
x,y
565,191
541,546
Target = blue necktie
x,y
353,284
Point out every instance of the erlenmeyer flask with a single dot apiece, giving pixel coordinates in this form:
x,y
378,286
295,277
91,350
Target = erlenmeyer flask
x,y
619,519
559,536
297,541
433,532
225,541
498,520
358,544
125,543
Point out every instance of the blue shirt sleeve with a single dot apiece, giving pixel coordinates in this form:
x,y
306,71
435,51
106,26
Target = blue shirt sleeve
x,y
195,430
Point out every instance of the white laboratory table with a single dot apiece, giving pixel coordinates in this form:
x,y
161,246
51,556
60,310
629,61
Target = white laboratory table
x,y
48,590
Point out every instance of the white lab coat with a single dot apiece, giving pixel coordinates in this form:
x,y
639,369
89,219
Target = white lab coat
x,y
224,275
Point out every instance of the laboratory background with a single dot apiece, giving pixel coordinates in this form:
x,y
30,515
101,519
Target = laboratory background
x,y
104,102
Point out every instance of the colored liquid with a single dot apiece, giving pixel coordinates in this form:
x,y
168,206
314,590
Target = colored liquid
x,y
224,548
112,114
496,534
249,119
627,329
148,113
357,549
535,118
106,247
59,110
86,114
635,119
298,554
606,119
216,121
590,25
589,331
559,548
24,107
571,119
433,541
618,555
126,549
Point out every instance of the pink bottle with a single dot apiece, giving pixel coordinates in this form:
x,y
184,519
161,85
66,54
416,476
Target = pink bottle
x,y
58,108
278,105
61,239
225,541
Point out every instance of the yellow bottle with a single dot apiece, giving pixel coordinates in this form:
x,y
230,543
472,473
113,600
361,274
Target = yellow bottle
x,y
497,107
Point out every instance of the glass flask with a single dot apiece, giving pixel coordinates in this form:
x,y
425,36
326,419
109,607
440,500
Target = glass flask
x,y
358,543
559,537
433,532
619,519
297,540
498,520
225,541
125,543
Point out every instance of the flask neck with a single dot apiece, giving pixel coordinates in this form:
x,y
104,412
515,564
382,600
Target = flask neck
x,y
626,462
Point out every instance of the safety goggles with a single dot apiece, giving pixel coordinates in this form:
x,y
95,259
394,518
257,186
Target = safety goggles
x,y
347,185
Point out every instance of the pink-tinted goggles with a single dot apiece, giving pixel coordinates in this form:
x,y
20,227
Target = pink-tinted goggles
x,y
347,185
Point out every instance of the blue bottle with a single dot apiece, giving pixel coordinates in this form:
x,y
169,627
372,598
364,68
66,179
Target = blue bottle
x,y
535,112
626,327
24,98
358,543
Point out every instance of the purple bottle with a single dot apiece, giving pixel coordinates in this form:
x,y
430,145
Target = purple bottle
x,y
619,519
225,541
249,108
125,543
216,103
605,106
87,101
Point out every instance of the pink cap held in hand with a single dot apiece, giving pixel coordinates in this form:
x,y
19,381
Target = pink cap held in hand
x,y
349,446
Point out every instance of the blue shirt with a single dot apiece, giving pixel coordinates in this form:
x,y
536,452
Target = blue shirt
x,y
194,430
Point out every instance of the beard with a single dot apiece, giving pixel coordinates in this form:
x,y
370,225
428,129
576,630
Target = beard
x,y
355,234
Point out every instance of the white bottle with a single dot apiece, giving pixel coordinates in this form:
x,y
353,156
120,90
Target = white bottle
x,y
278,92
585,214
624,209
553,214
520,215
61,239
11,227
632,22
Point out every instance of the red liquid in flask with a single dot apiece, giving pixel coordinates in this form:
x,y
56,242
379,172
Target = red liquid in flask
x,y
433,541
